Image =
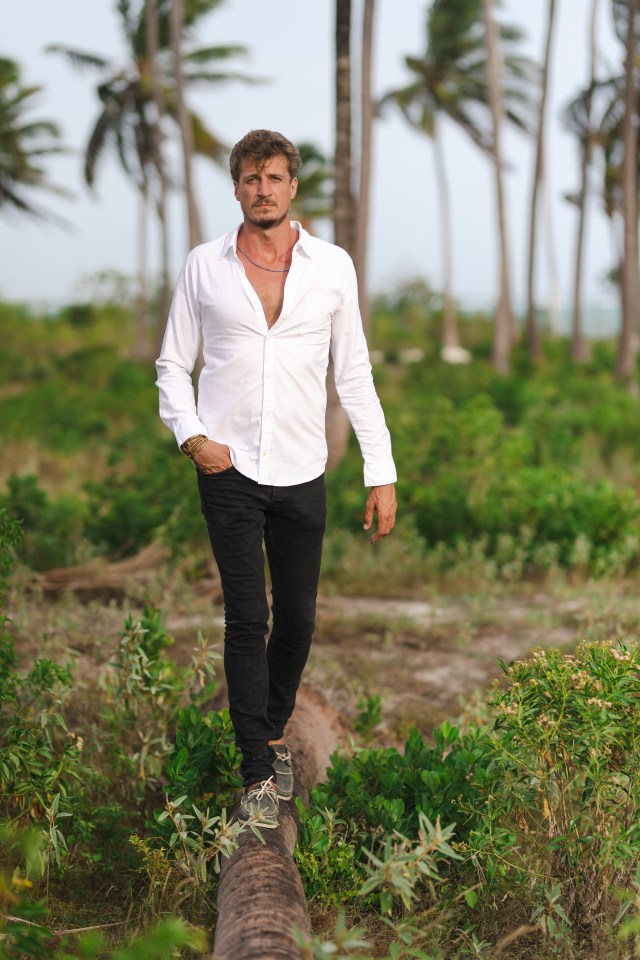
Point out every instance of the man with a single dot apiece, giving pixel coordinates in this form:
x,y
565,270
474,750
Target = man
x,y
270,303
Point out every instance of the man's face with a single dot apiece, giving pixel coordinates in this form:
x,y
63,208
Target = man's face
x,y
265,194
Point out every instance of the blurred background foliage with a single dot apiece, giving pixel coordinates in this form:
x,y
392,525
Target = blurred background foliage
x,y
527,473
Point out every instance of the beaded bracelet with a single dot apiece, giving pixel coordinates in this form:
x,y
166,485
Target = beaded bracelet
x,y
193,444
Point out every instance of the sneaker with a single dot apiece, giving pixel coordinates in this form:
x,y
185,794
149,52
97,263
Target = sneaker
x,y
260,805
283,771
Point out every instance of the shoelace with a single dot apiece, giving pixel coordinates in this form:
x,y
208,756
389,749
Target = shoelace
x,y
267,786
285,757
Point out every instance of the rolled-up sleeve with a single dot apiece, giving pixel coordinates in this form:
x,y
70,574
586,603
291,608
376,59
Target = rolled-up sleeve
x,y
178,358
355,386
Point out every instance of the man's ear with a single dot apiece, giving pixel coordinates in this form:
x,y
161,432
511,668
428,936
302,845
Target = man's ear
x,y
235,189
294,187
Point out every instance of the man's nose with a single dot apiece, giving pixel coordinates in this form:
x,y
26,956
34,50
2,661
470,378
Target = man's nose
x,y
264,188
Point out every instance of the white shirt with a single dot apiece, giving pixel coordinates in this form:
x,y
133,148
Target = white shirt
x,y
262,391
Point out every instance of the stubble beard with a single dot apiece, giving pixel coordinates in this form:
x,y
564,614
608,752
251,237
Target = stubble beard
x,y
268,222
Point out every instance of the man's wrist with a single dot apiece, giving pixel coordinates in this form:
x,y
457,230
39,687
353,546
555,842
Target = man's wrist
x,y
191,446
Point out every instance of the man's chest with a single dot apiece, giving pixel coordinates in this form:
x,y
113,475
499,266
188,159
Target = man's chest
x,y
269,288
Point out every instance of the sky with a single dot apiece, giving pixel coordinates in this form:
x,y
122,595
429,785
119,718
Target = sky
x,y
290,44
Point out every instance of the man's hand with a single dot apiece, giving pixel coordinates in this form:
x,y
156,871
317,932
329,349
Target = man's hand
x,y
212,457
381,500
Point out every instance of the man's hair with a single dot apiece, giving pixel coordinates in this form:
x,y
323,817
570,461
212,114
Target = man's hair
x,y
262,146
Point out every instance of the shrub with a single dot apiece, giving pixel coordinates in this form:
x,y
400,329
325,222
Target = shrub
x,y
567,769
377,797
52,529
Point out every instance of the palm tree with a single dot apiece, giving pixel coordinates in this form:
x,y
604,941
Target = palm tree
x,y
450,81
344,209
504,322
177,15
337,425
367,110
625,17
137,95
533,335
578,118
23,145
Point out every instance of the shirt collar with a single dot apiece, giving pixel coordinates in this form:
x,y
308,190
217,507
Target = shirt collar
x,y
303,244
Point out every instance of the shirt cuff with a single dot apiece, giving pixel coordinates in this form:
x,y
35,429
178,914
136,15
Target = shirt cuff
x,y
377,474
189,427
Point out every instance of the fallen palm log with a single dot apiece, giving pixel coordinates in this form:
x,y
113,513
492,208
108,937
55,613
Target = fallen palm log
x,y
261,899
99,576
100,579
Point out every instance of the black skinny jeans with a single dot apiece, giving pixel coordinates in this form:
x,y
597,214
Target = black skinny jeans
x,y
263,680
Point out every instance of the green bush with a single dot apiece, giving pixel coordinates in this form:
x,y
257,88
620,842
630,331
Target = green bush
x,y
52,529
566,774
376,795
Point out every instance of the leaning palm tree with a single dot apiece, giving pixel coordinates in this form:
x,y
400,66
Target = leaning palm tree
x,y
450,83
23,145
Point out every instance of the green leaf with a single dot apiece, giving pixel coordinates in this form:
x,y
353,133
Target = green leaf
x,y
471,898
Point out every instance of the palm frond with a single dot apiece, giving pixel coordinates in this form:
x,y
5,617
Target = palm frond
x,y
80,58
205,76
205,54
205,142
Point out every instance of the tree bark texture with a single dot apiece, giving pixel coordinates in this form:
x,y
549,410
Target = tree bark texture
x,y
504,331
364,184
336,423
261,899
344,219
533,333
627,347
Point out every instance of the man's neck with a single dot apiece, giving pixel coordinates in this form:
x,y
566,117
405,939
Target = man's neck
x,y
275,240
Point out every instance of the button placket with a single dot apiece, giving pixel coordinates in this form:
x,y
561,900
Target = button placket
x,y
266,420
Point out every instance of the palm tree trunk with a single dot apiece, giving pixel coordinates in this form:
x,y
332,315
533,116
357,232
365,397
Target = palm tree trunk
x,y
580,350
141,344
552,262
366,130
162,187
580,347
184,122
343,214
504,330
626,364
450,336
336,423
533,334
